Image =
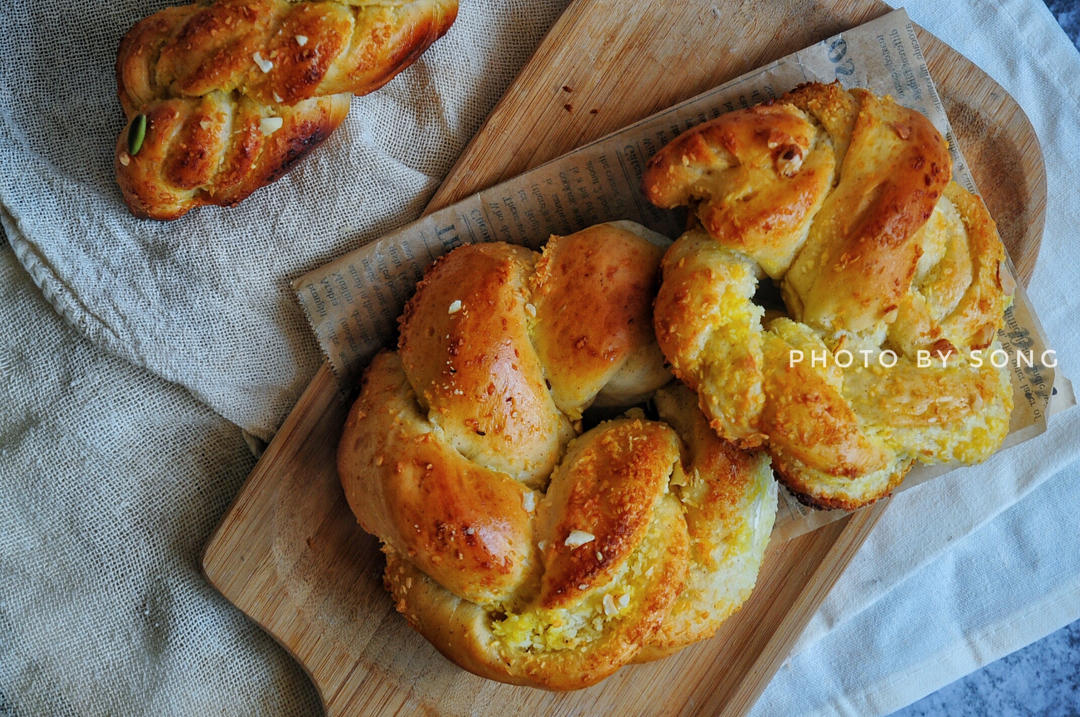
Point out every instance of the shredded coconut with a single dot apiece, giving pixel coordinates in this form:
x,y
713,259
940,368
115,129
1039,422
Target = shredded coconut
x,y
264,65
609,605
269,125
577,538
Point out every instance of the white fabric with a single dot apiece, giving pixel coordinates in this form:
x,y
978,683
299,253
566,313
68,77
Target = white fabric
x,y
944,584
997,589
111,478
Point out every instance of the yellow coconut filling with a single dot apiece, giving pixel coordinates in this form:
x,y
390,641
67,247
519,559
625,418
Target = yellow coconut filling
x,y
930,414
934,414
600,608
731,358
926,412
724,563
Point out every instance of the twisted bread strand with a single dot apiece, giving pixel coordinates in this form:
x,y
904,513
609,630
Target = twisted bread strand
x,y
235,92
522,552
845,200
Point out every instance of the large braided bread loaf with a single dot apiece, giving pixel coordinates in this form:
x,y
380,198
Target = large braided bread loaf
x,y
223,98
891,281
524,549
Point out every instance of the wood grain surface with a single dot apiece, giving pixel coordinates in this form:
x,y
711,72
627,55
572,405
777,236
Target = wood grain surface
x,y
289,552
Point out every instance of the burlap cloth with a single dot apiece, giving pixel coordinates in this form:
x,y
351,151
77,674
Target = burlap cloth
x,y
112,474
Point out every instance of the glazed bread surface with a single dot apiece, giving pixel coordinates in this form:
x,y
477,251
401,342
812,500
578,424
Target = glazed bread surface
x,y
844,201
235,92
524,547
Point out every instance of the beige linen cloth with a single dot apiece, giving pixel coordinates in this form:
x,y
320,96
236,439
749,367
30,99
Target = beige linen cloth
x,y
112,475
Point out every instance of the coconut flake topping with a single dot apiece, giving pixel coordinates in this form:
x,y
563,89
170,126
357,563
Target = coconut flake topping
x,y
577,538
264,65
269,125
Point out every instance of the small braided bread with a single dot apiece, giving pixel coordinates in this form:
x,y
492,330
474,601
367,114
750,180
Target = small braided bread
x,y
524,549
845,201
223,98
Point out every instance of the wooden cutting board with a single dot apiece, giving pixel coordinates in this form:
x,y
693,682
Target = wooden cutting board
x,y
289,552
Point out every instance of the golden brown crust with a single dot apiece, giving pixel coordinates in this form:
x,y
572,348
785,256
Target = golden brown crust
x,y
760,175
729,500
861,257
462,523
885,259
468,635
703,308
465,345
521,554
584,357
959,301
214,80
213,151
808,421
833,108
608,485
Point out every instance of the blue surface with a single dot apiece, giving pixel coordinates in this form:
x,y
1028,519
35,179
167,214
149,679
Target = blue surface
x,y
1067,13
1041,679
1044,677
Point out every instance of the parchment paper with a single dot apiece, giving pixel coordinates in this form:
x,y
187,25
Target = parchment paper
x,y
353,303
